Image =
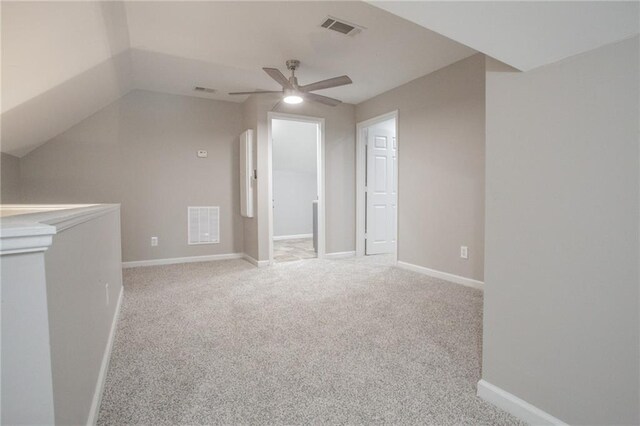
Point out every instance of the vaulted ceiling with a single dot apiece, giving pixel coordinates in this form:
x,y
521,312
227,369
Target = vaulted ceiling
x,y
524,34
224,45
63,61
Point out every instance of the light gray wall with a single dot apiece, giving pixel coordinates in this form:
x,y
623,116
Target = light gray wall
x,y
441,142
141,152
79,264
25,376
339,172
294,176
9,179
561,323
293,195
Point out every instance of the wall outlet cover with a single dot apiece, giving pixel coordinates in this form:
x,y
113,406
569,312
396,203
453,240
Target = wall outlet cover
x,y
464,252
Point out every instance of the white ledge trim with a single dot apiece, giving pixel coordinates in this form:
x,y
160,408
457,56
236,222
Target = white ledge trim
x,y
33,231
80,216
26,239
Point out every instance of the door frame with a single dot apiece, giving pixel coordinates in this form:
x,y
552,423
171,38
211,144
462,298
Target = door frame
x,y
361,168
320,166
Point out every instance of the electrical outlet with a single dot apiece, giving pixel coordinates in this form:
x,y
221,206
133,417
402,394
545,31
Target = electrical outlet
x,y
464,252
154,241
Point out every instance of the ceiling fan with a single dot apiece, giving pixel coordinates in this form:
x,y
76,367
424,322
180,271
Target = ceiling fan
x,y
294,93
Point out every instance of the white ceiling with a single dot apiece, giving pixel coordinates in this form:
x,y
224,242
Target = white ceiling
x,y
224,45
44,44
524,34
63,61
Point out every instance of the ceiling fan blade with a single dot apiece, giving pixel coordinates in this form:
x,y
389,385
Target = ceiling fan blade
x,y
275,74
322,99
326,84
256,92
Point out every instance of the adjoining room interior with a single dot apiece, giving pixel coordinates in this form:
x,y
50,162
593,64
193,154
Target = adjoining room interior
x,y
295,182
347,212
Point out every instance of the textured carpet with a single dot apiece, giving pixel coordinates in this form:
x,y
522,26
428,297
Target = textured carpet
x,y
290,250
315,341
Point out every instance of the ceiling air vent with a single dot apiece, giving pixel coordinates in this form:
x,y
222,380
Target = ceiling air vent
x,y
341,26
204,89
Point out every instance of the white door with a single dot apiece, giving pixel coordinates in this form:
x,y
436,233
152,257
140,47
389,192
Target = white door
x,y
381,193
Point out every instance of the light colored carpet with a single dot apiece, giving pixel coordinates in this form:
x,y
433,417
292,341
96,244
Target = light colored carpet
x,y
316,341
290,250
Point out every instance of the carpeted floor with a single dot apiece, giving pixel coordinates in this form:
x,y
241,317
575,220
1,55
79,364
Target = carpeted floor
x,y
316,341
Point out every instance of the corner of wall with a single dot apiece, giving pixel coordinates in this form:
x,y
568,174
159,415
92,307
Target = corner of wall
x,y
10,190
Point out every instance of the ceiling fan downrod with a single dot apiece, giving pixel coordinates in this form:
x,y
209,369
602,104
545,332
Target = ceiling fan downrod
x,y
292,65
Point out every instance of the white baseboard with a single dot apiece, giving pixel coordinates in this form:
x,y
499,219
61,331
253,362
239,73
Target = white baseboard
x,y
339,255
515,406
441,275
255,262
292,237
104,366
174,260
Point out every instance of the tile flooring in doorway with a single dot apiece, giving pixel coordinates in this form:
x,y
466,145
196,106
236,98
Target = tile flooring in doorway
x,y
290,250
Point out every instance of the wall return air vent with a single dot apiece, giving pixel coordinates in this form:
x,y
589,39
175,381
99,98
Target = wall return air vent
x,y
341,26
204,225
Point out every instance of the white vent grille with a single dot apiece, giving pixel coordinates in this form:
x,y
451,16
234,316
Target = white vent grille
x,y
341,26
204,225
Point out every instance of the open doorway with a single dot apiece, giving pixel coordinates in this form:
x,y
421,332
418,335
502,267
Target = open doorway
x,y
297,219
377,186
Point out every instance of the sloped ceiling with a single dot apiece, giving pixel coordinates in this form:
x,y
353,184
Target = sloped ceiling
x,y
45,43
523,34
63,61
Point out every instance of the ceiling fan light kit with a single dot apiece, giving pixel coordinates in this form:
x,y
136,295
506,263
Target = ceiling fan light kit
x,y
293,93
292,97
